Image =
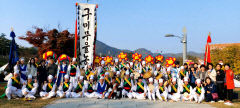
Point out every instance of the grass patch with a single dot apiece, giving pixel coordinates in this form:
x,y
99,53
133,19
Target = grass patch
x,y
20,103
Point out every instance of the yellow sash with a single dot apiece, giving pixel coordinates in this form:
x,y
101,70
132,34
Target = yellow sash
x,y
118,80
80,85
186,88
49,85
107,79
66,84
174,88
161,88
15,80
198,89
181,72
129,83
29,85
139,84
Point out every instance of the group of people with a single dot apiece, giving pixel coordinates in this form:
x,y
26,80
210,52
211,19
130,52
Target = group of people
x,y
125,79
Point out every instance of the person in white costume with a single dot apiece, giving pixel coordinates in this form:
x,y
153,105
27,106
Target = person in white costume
x,y
14,86
65,88
151,89
161,91
198,92
174,91
140,89
127,85
89,88
186,91
78,88
48,89
29,89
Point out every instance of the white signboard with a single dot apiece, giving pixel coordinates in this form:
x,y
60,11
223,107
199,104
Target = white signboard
x,y
86,32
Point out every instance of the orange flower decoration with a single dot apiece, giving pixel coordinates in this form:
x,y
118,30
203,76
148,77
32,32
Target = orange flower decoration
x,y
49,54
159,58
122,56
170,61
97,59
108,60
149,59
137,57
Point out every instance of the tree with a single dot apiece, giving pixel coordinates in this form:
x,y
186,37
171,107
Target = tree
x,y
229,55
59,42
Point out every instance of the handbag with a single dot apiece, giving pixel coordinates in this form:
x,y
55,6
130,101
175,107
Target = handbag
x,y
214,96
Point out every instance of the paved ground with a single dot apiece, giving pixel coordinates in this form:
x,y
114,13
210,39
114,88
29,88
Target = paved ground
x,y
123,103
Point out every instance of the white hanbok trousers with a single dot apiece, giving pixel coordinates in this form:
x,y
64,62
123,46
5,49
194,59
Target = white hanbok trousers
x,y
13,91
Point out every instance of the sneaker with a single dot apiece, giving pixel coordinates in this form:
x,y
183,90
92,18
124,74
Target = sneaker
x,y
221,101
212,101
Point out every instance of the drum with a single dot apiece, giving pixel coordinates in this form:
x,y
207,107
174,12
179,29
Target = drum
x,y
147,75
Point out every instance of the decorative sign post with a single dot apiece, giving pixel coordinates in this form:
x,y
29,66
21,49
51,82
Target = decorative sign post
x,y
87,28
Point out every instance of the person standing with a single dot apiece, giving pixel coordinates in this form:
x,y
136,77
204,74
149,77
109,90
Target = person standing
x,y
41,74
202,73
212,72
220,82
52,69
32,68
22,67
229,84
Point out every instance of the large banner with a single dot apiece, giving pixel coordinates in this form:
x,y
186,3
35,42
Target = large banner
x,y
87,25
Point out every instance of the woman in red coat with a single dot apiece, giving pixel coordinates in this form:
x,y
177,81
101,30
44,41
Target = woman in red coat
x,y
229,75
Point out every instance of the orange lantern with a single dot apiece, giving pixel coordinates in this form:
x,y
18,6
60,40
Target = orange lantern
x,y
122,56
170,61
159,58
149,59
137,57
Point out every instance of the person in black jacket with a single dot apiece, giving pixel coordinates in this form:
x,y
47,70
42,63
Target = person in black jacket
x,y
210,88
41,74
220,82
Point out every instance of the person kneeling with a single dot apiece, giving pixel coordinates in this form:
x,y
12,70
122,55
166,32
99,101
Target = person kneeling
x,y
14,86
30,89
64,90
48,89
78,88
141,89
186,91
198,92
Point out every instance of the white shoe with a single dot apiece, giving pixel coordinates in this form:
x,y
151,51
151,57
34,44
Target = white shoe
x,y
228,103
212,101
221,101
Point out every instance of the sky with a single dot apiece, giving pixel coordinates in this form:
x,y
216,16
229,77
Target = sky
x,y
132,24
